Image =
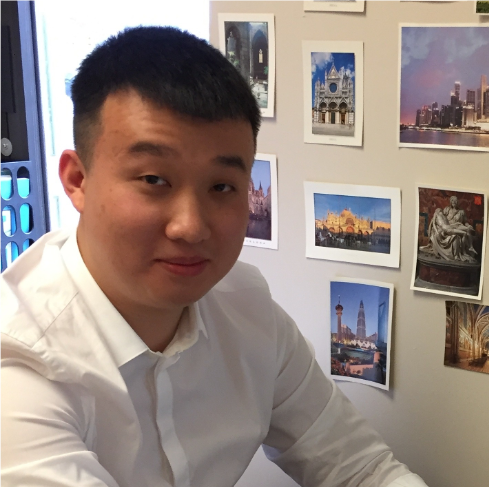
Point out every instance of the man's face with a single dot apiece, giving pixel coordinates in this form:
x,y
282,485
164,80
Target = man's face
x,y
165,203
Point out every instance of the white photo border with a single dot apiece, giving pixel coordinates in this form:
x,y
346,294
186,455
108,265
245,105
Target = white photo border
x,y
354,47
328,6
273,243
268,112
416,229
367,282
355,256
399,61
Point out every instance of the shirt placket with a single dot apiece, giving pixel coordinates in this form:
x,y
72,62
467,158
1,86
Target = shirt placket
x,y
166,425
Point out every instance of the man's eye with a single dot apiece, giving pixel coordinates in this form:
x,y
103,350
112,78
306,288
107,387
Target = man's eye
x,y
223,188
154,180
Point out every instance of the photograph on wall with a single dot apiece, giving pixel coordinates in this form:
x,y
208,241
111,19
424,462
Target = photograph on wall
x,y
262,228
351,223
467,336
336,6
482,8
361,322
248,42
333,92
443,88
449,242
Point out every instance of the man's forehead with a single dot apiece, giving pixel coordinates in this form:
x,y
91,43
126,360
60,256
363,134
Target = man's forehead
x,y
128,97
129,111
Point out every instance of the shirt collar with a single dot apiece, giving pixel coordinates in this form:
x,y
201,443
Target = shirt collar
x,y
122,341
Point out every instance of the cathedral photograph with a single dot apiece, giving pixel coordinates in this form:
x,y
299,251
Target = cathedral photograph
x,y
248,43
467,336
333,93
353,222
260,202
360,317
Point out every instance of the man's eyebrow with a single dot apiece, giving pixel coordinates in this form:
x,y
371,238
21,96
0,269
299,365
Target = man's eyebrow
x,y
161,150
145,147
232,161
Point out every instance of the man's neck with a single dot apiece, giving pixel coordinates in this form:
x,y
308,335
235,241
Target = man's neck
x,y
156,328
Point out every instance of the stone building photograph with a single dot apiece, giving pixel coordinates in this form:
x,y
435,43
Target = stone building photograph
x,y
247,48
333,93
467,336
260,201
353,222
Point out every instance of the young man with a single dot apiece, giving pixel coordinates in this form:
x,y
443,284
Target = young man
x,y
137,352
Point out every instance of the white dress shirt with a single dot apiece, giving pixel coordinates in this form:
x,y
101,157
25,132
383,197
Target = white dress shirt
x,y
86,403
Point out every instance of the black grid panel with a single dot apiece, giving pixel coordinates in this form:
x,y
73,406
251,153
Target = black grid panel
x,y
24,213
21,224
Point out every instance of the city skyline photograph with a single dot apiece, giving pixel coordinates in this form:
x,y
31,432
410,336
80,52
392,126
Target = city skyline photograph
x,y
360,324
443,87
349,294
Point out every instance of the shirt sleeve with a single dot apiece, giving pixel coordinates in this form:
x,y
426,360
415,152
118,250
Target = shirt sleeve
x,y
44,433
316,436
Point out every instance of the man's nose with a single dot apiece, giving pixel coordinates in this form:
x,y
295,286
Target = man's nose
x,y
188,219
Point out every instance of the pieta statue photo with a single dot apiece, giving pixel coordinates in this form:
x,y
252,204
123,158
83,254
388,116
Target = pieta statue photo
x,y
450,242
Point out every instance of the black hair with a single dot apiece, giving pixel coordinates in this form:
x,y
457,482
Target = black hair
x,y
168,67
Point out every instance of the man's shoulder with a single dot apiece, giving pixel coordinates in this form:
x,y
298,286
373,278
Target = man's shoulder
x,y
46,324
35,288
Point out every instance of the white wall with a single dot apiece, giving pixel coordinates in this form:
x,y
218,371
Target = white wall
x,y
434,417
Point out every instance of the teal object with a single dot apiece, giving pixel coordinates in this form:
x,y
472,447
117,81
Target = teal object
x,y
23,187
7,189
26,218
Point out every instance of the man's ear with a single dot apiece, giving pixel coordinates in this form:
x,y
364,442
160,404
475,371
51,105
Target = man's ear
x,y
72,173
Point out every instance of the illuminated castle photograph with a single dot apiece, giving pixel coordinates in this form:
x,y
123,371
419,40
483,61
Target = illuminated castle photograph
x,y
353,222
260,202
333,93
359,331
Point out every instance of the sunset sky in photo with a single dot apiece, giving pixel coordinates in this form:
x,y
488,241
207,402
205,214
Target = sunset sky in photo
x,y
378,209
434,58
